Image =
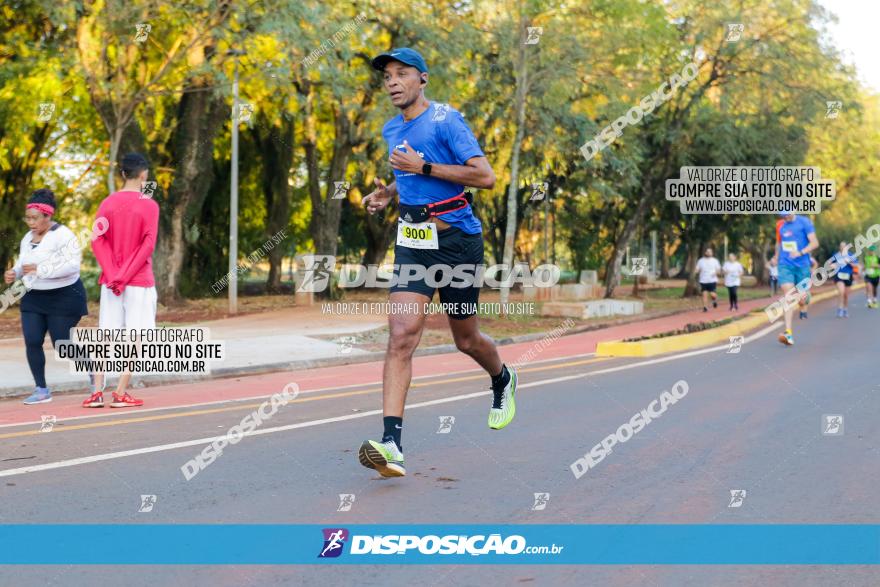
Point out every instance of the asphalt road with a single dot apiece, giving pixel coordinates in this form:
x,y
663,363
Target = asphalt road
x,y
750,421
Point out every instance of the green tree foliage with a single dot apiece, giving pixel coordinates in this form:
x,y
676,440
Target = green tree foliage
x,y
317,111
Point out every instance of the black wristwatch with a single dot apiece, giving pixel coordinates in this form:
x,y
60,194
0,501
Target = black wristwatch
x,y
426,169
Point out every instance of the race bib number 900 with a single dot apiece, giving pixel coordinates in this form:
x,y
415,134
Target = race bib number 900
x,y
417,236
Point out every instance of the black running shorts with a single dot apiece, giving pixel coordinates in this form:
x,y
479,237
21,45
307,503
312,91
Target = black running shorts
x,y
456,249
845,282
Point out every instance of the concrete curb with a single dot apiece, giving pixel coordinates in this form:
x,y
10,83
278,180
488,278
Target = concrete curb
x,y
685,342
364,357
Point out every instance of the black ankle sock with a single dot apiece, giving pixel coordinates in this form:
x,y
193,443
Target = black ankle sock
x,y
499,382
393,428
502,378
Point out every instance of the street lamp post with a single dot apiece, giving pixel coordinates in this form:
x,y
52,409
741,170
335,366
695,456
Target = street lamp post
x,y
233,192
654,253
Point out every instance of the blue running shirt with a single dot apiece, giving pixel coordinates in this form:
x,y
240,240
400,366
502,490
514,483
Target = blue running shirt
x,y
793,236
439,135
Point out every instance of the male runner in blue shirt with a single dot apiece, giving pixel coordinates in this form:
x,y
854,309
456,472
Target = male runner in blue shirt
x,y
434,155
796,237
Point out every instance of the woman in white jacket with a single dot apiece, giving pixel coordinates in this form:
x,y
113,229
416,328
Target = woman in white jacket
x,y
47,273
733,271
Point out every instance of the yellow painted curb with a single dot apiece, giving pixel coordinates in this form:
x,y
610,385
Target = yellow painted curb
x,y
684,342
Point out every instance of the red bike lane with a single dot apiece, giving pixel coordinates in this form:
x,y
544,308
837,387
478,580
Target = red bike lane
x,y
351,375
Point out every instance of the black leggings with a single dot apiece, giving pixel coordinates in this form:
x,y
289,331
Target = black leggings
x,y
731,292
34,326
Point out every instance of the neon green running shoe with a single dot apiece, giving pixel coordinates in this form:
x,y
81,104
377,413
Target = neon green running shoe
x,y
504,405
385,457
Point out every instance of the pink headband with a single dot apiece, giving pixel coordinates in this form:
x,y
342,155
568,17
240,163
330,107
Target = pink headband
x,y
44,208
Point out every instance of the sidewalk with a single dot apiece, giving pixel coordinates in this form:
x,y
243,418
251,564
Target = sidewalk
x,y
285,340
254,342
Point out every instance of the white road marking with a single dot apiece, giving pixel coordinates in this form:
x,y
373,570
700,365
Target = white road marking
x,y
203,441
110,414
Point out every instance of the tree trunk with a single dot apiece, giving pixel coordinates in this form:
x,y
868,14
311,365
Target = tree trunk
x,y
125,135
693,253
664,257
512,195
200,116
326,212
612,275
115,140
493,235
380,234
759,260
660,168
277,149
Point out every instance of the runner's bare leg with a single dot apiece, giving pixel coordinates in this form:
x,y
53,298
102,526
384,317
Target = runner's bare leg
x,y
404,334
475,344
121,386
789,308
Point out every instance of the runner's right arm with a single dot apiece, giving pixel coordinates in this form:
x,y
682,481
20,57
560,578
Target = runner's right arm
x,y
379,198
16,272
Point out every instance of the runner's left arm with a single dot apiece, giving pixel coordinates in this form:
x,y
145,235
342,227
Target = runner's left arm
x,y
469,166
476,171
812,245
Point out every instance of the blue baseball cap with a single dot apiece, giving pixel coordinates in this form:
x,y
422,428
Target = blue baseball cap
x,y
405,55
784,214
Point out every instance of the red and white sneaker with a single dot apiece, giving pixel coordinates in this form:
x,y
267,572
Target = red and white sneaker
x,y
96,400
125,401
